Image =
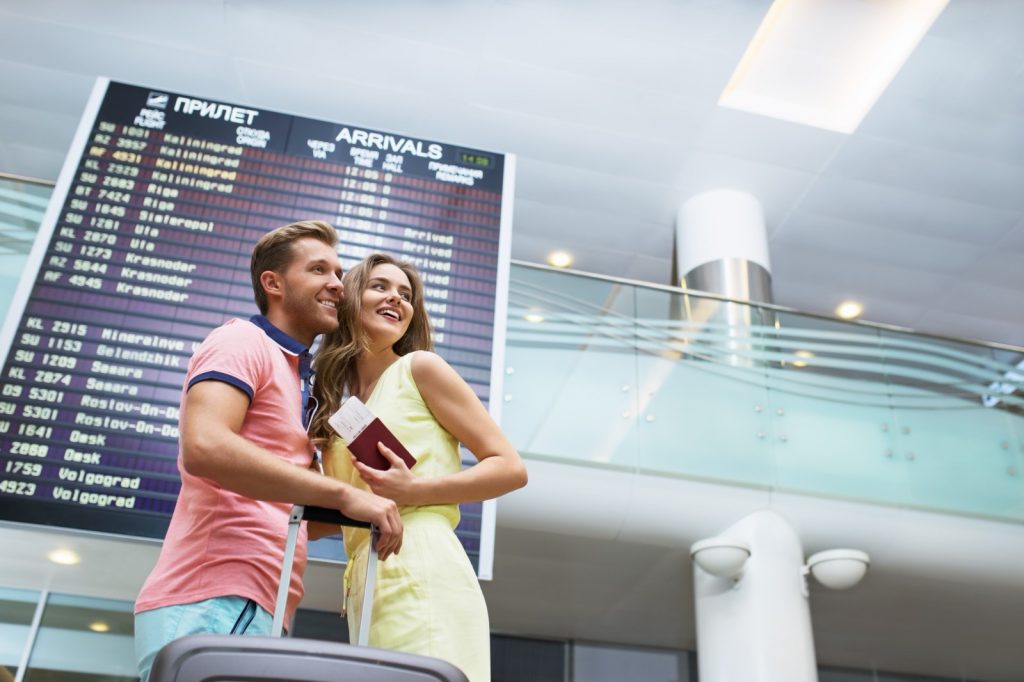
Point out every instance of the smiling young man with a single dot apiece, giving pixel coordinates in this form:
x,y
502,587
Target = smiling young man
x,y
245,455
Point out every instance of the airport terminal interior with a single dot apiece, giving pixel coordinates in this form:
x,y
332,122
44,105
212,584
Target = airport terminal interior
x,y
740,280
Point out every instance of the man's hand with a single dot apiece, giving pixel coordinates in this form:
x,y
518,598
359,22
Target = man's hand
x,y
381,512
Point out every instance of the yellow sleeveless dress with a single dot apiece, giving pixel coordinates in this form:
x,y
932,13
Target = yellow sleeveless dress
x,y
427,599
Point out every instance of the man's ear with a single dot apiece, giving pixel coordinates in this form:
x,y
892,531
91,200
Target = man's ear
x,y
272,283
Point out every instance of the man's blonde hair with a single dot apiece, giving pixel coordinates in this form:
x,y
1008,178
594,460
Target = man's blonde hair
x,y
273,252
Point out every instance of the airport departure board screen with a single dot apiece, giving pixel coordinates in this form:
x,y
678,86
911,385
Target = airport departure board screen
x,y
145,248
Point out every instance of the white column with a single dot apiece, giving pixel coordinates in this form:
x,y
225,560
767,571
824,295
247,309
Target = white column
x,y
722,248
757,627
722,245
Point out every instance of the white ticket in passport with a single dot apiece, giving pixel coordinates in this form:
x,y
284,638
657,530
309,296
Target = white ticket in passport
x,y
351,419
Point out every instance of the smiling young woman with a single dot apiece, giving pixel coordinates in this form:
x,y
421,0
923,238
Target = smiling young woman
x,y
427,599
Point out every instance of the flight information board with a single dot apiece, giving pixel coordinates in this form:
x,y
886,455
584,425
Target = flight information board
x,y
145,248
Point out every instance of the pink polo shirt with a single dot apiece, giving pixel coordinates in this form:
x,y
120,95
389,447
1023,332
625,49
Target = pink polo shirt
x,y
221,543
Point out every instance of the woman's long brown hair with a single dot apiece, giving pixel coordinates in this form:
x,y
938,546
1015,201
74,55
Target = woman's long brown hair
x,y
335,362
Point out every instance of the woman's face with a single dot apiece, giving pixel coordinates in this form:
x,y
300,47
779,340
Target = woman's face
x,y
387,304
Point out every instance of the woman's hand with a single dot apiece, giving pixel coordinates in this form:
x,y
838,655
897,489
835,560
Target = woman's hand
x,y
397,483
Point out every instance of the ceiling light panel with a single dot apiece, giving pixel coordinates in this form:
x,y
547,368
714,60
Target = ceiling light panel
x,y
825,64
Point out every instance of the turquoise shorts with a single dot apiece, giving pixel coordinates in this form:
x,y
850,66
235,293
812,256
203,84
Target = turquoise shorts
x,y
220,615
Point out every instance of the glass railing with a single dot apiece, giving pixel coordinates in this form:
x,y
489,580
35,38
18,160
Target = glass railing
x,y
22,204
663,381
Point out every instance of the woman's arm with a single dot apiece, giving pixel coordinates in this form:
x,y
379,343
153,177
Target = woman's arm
x,y
498,470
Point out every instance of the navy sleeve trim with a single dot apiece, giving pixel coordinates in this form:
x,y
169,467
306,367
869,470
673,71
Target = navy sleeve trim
x,y
226,378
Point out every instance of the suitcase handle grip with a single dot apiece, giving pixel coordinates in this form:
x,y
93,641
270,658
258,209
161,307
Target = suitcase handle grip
x,y
325,515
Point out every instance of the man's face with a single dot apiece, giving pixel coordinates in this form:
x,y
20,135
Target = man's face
x,y
311,291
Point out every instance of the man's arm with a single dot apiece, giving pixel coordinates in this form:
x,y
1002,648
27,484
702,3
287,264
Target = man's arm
x,y
212,447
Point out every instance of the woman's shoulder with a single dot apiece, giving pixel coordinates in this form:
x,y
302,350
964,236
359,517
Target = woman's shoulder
x,y
422,356
428,368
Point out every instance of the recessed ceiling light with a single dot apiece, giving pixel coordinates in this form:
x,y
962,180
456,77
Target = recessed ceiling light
x,y
802,354
99,626
560,259
825,64
849,310
536,318
64,557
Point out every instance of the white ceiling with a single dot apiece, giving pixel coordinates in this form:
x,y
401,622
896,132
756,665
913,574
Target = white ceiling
x,y
611,109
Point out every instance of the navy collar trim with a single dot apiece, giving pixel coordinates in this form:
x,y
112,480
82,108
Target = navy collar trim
x,y
287,343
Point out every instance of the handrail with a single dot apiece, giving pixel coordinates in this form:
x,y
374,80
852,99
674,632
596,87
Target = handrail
x,y
774,307
24,178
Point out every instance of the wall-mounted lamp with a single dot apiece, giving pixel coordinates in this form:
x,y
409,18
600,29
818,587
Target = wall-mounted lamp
x,y
751,601
720,556
837,569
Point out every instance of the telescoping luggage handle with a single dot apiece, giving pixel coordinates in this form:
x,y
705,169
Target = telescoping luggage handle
x,y
333,516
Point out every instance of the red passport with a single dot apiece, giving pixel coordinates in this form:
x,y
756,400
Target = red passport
x,y
361,431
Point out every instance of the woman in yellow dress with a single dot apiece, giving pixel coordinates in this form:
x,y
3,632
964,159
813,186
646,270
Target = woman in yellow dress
x,y
427,599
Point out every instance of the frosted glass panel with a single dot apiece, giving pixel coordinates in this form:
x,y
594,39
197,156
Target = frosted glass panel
x,y
668,382
701,390
22,205
571,369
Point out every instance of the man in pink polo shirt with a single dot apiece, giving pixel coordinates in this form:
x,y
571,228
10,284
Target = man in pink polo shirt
x,y
245,455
